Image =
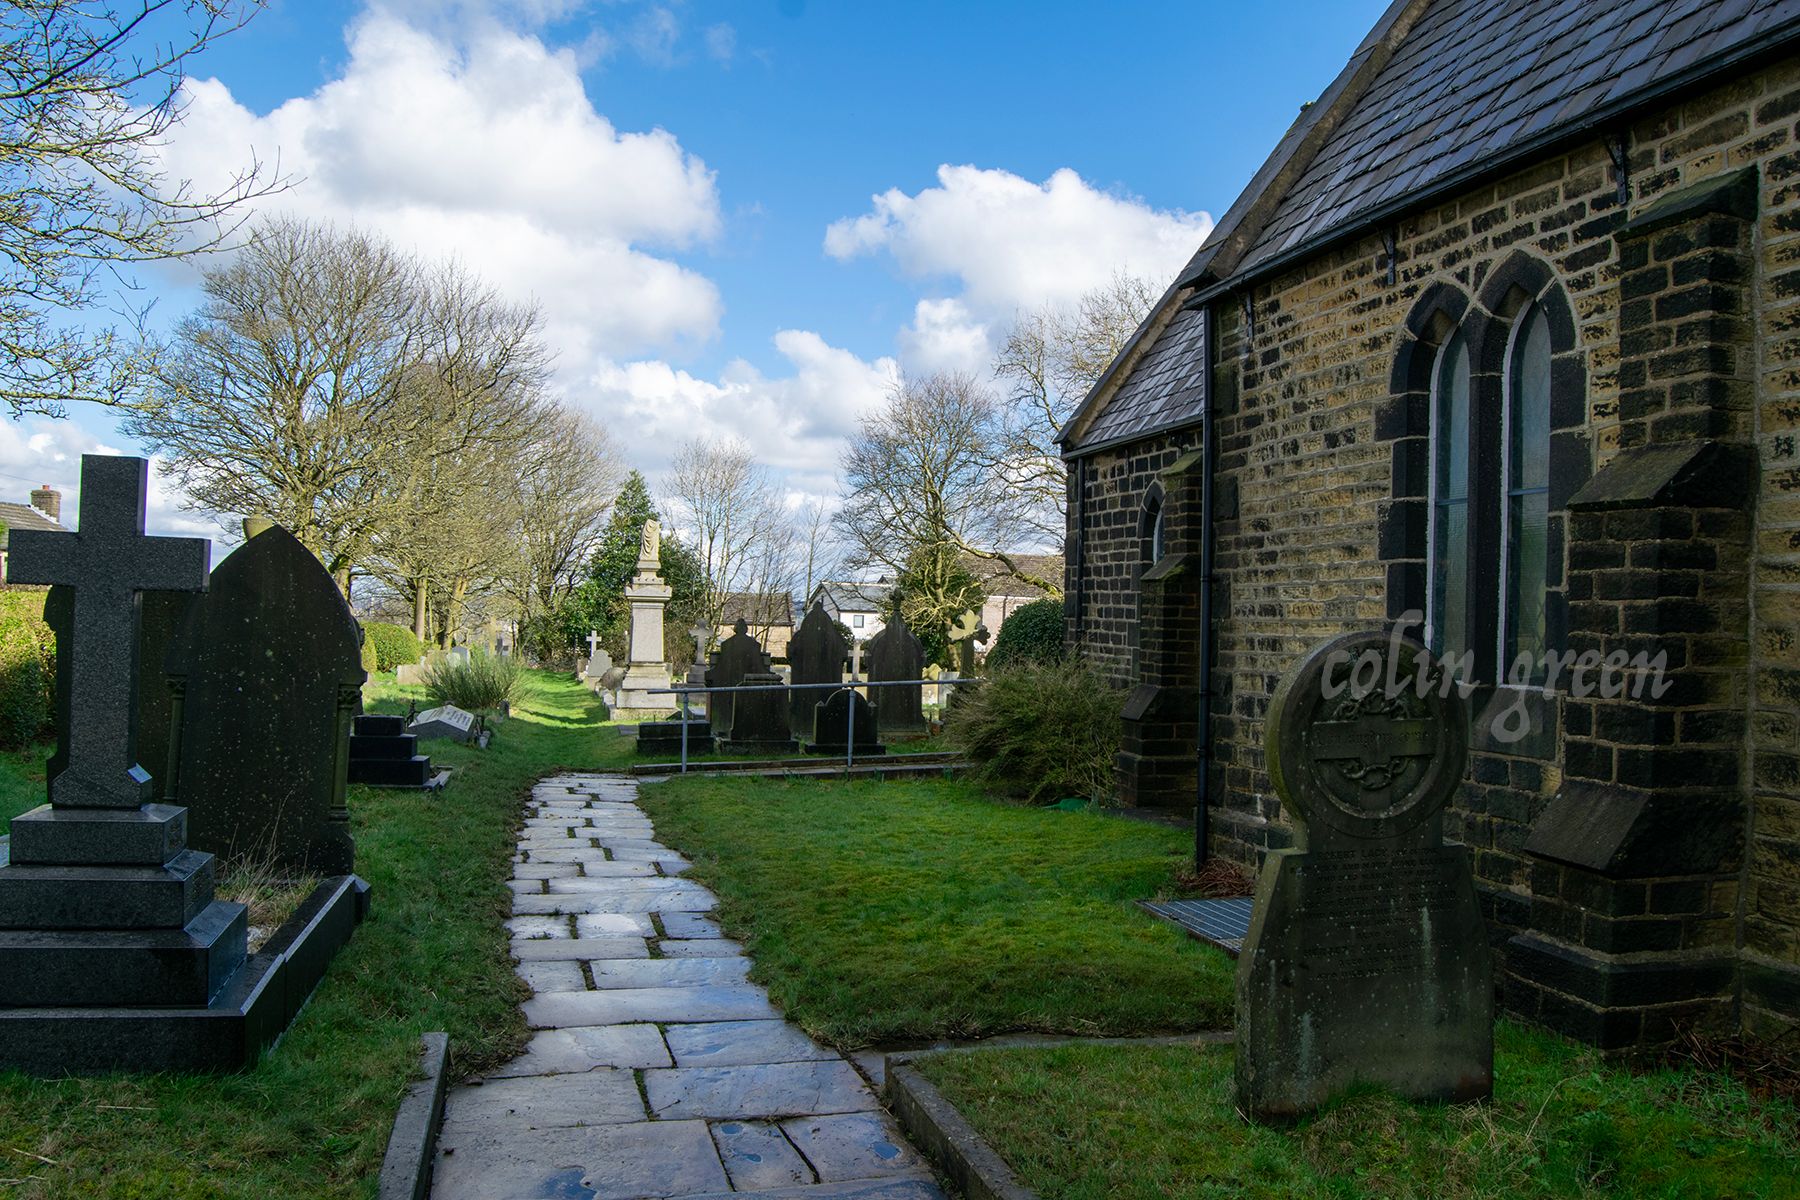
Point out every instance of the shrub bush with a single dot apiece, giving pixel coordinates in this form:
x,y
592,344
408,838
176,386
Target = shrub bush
x,y
1040,731
27,670
371,661
1033,634
485,681
395,645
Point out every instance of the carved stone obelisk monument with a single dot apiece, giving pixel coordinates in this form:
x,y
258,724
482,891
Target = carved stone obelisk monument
x,y
646,668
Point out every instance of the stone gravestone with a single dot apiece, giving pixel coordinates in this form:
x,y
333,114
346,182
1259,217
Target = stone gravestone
x,y
895,653
737,656
815,655
272,674
646,666
445,721
832,725
760,720
1367,959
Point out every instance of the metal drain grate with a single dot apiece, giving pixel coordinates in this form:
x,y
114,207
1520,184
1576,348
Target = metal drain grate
x,y
1224,923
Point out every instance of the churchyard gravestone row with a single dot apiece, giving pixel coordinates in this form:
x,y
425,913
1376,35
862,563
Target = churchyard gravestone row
x,y
1367,958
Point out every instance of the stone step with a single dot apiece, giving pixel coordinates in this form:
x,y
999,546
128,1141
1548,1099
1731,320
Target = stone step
x,y
183,968
118,837
165,897
367,746
392,772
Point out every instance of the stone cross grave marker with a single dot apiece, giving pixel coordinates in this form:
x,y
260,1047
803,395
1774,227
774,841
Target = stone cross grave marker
x,y
815,655
895,654
1367,958
593,641
106,562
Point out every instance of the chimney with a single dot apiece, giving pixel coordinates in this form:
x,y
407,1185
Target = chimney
x,y
48,501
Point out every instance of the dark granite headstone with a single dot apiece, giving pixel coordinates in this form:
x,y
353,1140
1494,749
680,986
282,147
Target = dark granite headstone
x,y
271,672
163,613
832,725
1367,959
737,656
815,655
760,723
895,653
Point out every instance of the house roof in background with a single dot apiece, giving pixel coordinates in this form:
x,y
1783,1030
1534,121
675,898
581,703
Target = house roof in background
x,y
24,516
998,582
855,597
758,608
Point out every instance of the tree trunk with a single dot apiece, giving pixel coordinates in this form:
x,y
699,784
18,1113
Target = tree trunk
x,y
421,592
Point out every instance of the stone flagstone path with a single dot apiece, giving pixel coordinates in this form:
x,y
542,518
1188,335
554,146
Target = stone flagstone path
x,y
655,1069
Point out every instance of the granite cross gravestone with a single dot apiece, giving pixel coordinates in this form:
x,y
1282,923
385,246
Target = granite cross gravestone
x,y
815,655
1367,958
738,655
895,654
271,673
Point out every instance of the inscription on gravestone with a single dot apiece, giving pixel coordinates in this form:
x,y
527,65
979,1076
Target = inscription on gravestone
x,y
1367,958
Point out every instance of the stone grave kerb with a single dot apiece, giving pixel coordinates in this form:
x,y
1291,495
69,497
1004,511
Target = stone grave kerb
x,y
106,563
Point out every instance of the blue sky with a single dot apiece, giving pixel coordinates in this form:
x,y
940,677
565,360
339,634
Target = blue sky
x,y
742,219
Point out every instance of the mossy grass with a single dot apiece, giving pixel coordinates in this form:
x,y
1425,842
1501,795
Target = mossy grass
x,y
312,1117
1111,1122
925,909
22,780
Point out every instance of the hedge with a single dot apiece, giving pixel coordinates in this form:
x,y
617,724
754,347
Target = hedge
x,y
27,668
395,645
1032,634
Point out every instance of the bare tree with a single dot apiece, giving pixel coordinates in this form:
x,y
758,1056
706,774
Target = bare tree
x,y
1051,359
733,515
567,475
919,474
287,393
87,90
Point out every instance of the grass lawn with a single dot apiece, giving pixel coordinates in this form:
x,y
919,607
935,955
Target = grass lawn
x,y
923,909
1087,1122
312,1118
22,780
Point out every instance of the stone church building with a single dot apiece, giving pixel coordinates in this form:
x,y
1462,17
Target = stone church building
x,y
1504,336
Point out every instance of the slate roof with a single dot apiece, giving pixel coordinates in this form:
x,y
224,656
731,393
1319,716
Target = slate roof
x,y
23,516
1440,92
1164,388
1475,79
855,597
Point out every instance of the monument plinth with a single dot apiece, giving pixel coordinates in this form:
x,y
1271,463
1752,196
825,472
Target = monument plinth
x,y
1367,958
646,668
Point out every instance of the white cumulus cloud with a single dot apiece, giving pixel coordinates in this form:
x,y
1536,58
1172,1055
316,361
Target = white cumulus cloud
x,y
1010,244
491,152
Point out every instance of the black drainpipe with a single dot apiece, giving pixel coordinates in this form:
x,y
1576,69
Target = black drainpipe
x,y
1078,560
1203,738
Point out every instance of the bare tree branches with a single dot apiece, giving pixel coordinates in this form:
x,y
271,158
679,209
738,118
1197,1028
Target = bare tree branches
x,y
735,518
87,89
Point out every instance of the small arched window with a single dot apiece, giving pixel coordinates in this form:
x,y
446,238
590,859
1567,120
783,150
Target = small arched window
x,y
1447,601
1157,544
1525,515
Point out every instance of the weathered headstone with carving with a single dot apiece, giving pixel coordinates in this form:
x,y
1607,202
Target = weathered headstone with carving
x,y
646,665
1367,959
815,655
760,720
895,653
271,673
737,656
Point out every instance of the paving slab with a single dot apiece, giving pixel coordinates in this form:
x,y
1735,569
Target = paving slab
x,y
551,976
539,927
611,925
584,1048
688,900
670,972
557,1010
765,1090
865,1189
707,948
526,887
606,1096
580,949
609,870
600,1162
645,884
689,925
739,1043
545,870
572,855
854,1146
757,1155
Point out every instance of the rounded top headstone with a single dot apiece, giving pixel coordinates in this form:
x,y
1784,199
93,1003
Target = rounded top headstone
x,y
1364,737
